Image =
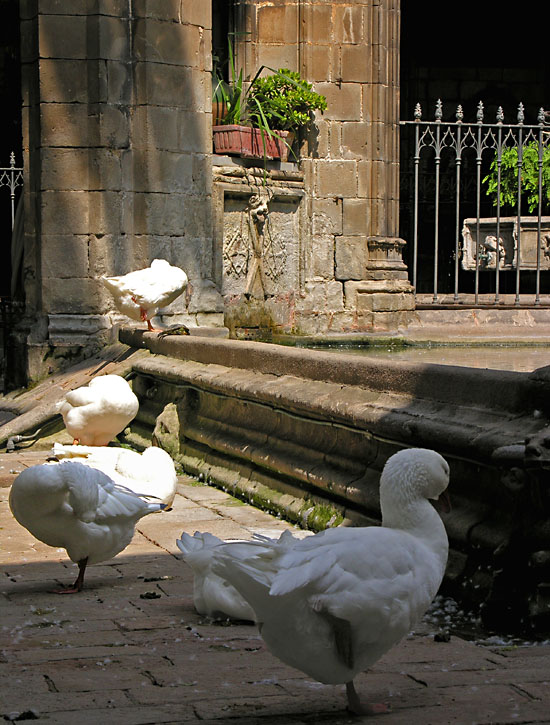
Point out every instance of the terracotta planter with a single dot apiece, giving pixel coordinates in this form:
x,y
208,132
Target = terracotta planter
x,y
248,143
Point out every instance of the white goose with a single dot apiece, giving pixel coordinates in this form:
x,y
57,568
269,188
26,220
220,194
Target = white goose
x,y
150,474
213,596
78,508
334,603
140,294
95,413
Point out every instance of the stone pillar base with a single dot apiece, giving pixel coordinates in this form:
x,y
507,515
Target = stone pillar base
x,y
385,259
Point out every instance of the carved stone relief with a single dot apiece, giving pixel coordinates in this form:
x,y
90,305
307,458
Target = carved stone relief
x,y
260,244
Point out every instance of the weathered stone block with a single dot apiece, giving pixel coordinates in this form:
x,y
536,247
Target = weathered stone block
x,y
192,12
159,171
315,296
197,215
327,216
104,212
65,211
351,256
157,213
71,296
356,63
114,130
355,213
278,56
356,139
118,8
336,178
108,252
80,169
376,98
116,83
371,177
379,296
177,86
63,81
64,255
335,296
62,36
160,247
63,124
317,19
322,256
347,24
277,23
112,38
343,101
319,60
167,42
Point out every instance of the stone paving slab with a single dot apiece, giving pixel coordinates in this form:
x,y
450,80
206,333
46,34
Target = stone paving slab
x,y
131,649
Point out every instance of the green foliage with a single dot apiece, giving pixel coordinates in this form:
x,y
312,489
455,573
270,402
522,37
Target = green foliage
x,y
529,177
285,100
280,101
232,95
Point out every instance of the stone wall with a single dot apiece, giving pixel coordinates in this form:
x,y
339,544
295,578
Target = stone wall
x,y
116,102
352,274
118,171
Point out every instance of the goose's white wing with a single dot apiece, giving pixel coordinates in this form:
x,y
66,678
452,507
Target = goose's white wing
x,y
94,497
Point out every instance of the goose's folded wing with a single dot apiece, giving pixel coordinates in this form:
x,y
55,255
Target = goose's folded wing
x,y
94,496
343,563
83,489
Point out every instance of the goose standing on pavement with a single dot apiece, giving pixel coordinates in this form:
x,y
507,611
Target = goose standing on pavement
x,y
332,604
79,508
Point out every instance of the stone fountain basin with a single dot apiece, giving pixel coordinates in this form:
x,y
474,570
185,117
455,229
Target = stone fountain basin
x,y
304,434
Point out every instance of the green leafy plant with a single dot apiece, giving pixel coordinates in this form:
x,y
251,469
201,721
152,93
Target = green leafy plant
x,y
286,101
529,177
232,95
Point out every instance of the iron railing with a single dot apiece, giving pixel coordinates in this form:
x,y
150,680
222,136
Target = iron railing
x,y
11,177
464,249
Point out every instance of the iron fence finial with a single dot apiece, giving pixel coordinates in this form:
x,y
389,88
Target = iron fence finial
x,y
479,114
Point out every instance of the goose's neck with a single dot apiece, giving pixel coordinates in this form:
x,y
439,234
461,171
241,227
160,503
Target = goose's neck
x,y
421,520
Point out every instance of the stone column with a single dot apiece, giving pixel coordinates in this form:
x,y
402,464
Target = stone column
x,y
117,143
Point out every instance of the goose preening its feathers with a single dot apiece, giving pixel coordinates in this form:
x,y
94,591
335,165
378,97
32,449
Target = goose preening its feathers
x,y
78,508
332,604
140,294
214,596
150,474
94,414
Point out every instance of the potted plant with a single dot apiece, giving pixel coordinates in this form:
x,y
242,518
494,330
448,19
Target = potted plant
x,y
256,118
287,102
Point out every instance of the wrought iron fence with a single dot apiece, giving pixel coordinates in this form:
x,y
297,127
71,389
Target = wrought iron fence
x,y
11,177
457,183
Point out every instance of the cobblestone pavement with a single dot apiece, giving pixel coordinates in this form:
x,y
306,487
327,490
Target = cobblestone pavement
x,y
131,649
